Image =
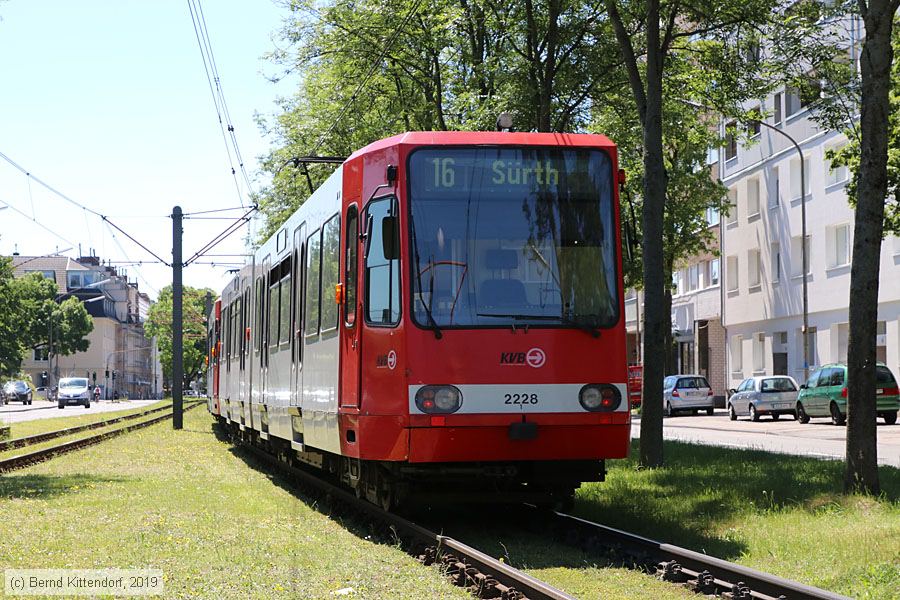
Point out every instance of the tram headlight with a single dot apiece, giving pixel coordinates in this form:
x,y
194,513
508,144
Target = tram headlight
x,y
600,397
442,399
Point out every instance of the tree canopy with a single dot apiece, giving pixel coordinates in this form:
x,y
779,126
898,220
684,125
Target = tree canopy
x,y
28,310
159,325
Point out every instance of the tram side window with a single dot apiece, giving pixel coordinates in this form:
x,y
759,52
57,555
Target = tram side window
x,y
284,295
314,257
350,271
273,317
258,315
331,269
226,316
382,272
235,329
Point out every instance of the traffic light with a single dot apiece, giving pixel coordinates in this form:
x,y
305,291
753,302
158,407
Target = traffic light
x,y
107,373
44,378
114,375
94,376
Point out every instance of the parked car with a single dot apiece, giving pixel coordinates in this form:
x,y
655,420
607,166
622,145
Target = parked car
x,y
825,395
74,390
19,391
764,395
687,392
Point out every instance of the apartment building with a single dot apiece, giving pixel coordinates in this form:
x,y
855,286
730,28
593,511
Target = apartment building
x,y
119,359
762,248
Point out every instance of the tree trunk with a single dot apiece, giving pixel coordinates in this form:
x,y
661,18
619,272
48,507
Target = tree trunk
x,y
656,320
861,472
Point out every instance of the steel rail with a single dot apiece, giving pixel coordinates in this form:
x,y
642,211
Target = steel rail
x,y
698,572
24,460
49,435
483,575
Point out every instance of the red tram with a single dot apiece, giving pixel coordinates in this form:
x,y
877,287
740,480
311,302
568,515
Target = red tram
x,y
444,317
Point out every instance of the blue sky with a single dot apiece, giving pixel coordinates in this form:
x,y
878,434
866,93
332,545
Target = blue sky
x,y
108,102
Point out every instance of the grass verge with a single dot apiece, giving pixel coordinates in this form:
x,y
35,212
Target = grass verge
x,y
780,514
35,426
185,503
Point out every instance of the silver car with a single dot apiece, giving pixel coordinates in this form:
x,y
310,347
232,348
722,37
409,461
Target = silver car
x,y
74,390
687,392
774,395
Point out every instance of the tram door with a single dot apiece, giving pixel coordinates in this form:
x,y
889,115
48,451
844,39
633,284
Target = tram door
x,y
299,279
349,298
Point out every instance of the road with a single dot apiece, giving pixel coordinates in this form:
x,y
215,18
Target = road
x,y
41,409
817,438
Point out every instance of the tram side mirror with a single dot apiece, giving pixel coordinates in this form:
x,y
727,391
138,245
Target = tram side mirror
x,y
390,238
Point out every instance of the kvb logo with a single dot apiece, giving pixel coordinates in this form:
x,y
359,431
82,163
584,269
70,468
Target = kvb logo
x,y
533,358
536,358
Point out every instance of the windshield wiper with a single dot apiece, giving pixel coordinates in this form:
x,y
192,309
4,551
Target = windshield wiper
x,y
586,327
434,326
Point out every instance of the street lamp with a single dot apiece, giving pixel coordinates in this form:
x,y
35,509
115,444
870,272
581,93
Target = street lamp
x,y
803,253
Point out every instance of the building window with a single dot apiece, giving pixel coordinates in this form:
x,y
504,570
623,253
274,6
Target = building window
x,y
759,355
835,174
753,127
775,196
732,206
752,197
693,279
753,268
775,258
796,176
731,271
792,101
714,271
838,245
41,354
777,108
677,288
712,216
737,350
730,141
797,256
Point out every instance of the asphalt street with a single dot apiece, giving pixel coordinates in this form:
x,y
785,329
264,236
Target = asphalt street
x,y
41,409
818,438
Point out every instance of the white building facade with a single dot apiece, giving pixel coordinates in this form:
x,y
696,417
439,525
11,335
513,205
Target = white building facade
x,y
761,252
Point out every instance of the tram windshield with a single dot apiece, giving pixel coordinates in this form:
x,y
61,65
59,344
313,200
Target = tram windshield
x,y
512,236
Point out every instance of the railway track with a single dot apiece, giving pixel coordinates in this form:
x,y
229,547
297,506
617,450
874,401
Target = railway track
x,y
486,577
698,572
24,460
482,575
49,435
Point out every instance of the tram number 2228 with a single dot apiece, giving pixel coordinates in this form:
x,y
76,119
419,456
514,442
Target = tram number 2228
x,y
520,399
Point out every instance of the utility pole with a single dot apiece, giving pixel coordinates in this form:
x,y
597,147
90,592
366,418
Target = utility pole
x,y
177,324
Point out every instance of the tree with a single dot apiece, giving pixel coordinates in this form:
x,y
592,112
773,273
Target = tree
x,y
861,472
455,64
30,317
159,325
723,74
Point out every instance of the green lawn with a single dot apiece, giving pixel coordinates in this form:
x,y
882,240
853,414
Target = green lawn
x,y
185,503
35,426
777,513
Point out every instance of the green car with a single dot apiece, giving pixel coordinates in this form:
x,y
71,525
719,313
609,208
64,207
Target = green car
x,y
825,395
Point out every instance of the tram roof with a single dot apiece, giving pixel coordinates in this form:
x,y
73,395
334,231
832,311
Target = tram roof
x,y
487,138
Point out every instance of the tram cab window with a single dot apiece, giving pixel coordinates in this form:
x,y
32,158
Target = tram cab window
x,y
351,259
382,292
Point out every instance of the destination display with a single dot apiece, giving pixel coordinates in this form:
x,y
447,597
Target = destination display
x,y
458,170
